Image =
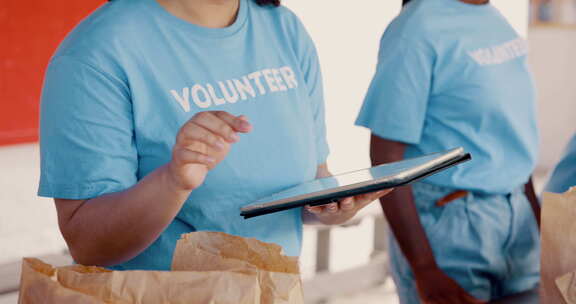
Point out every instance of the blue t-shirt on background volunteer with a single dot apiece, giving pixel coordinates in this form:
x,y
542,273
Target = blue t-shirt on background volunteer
x,y
564,175
453,74
131,74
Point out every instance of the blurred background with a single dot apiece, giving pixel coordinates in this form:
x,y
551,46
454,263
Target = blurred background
x,y
347,35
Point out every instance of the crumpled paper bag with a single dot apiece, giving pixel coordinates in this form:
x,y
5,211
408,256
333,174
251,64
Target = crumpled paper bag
x,y
558,236
208,267
278,275
38,285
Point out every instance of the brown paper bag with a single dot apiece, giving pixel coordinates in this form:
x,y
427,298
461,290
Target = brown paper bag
x,y
149,287
38,285
210,268
558,237
278,275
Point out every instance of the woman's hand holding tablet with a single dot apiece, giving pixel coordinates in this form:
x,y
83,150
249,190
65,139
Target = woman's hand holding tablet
x,y
337,213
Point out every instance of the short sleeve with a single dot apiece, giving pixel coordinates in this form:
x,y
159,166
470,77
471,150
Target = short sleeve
x,y
564,175
86,132
310,66
395,105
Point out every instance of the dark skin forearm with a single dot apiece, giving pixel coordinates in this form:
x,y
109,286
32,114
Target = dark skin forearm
x,y
531,195
400,209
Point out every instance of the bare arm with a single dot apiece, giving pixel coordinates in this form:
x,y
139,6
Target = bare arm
x,y
400,209
533,199
113,228
116,227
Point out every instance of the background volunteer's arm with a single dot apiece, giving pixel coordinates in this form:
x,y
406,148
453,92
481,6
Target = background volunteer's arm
x,y
531,195
116,227
400,209
434,286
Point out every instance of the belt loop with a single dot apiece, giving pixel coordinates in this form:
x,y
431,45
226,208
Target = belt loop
x,y
451,197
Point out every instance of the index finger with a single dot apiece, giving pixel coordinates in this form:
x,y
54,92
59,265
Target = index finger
x,y
220,123
238,123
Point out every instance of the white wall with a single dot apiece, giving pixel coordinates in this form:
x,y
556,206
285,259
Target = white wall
x,y
516,11
552,59
28,224
346,34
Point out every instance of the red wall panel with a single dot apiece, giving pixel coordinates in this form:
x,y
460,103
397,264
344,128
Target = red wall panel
x,y
30,31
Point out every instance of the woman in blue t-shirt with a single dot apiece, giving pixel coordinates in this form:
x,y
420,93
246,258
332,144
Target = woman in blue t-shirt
x,y
142,108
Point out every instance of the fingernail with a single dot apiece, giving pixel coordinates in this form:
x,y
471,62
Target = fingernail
x,y
210,159
245,125
235,137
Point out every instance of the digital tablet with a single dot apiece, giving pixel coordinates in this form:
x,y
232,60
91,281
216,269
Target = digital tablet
x,y
326,190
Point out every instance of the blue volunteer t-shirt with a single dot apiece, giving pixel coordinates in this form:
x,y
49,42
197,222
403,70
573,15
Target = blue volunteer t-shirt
x,y
564,175
130,75
453,74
